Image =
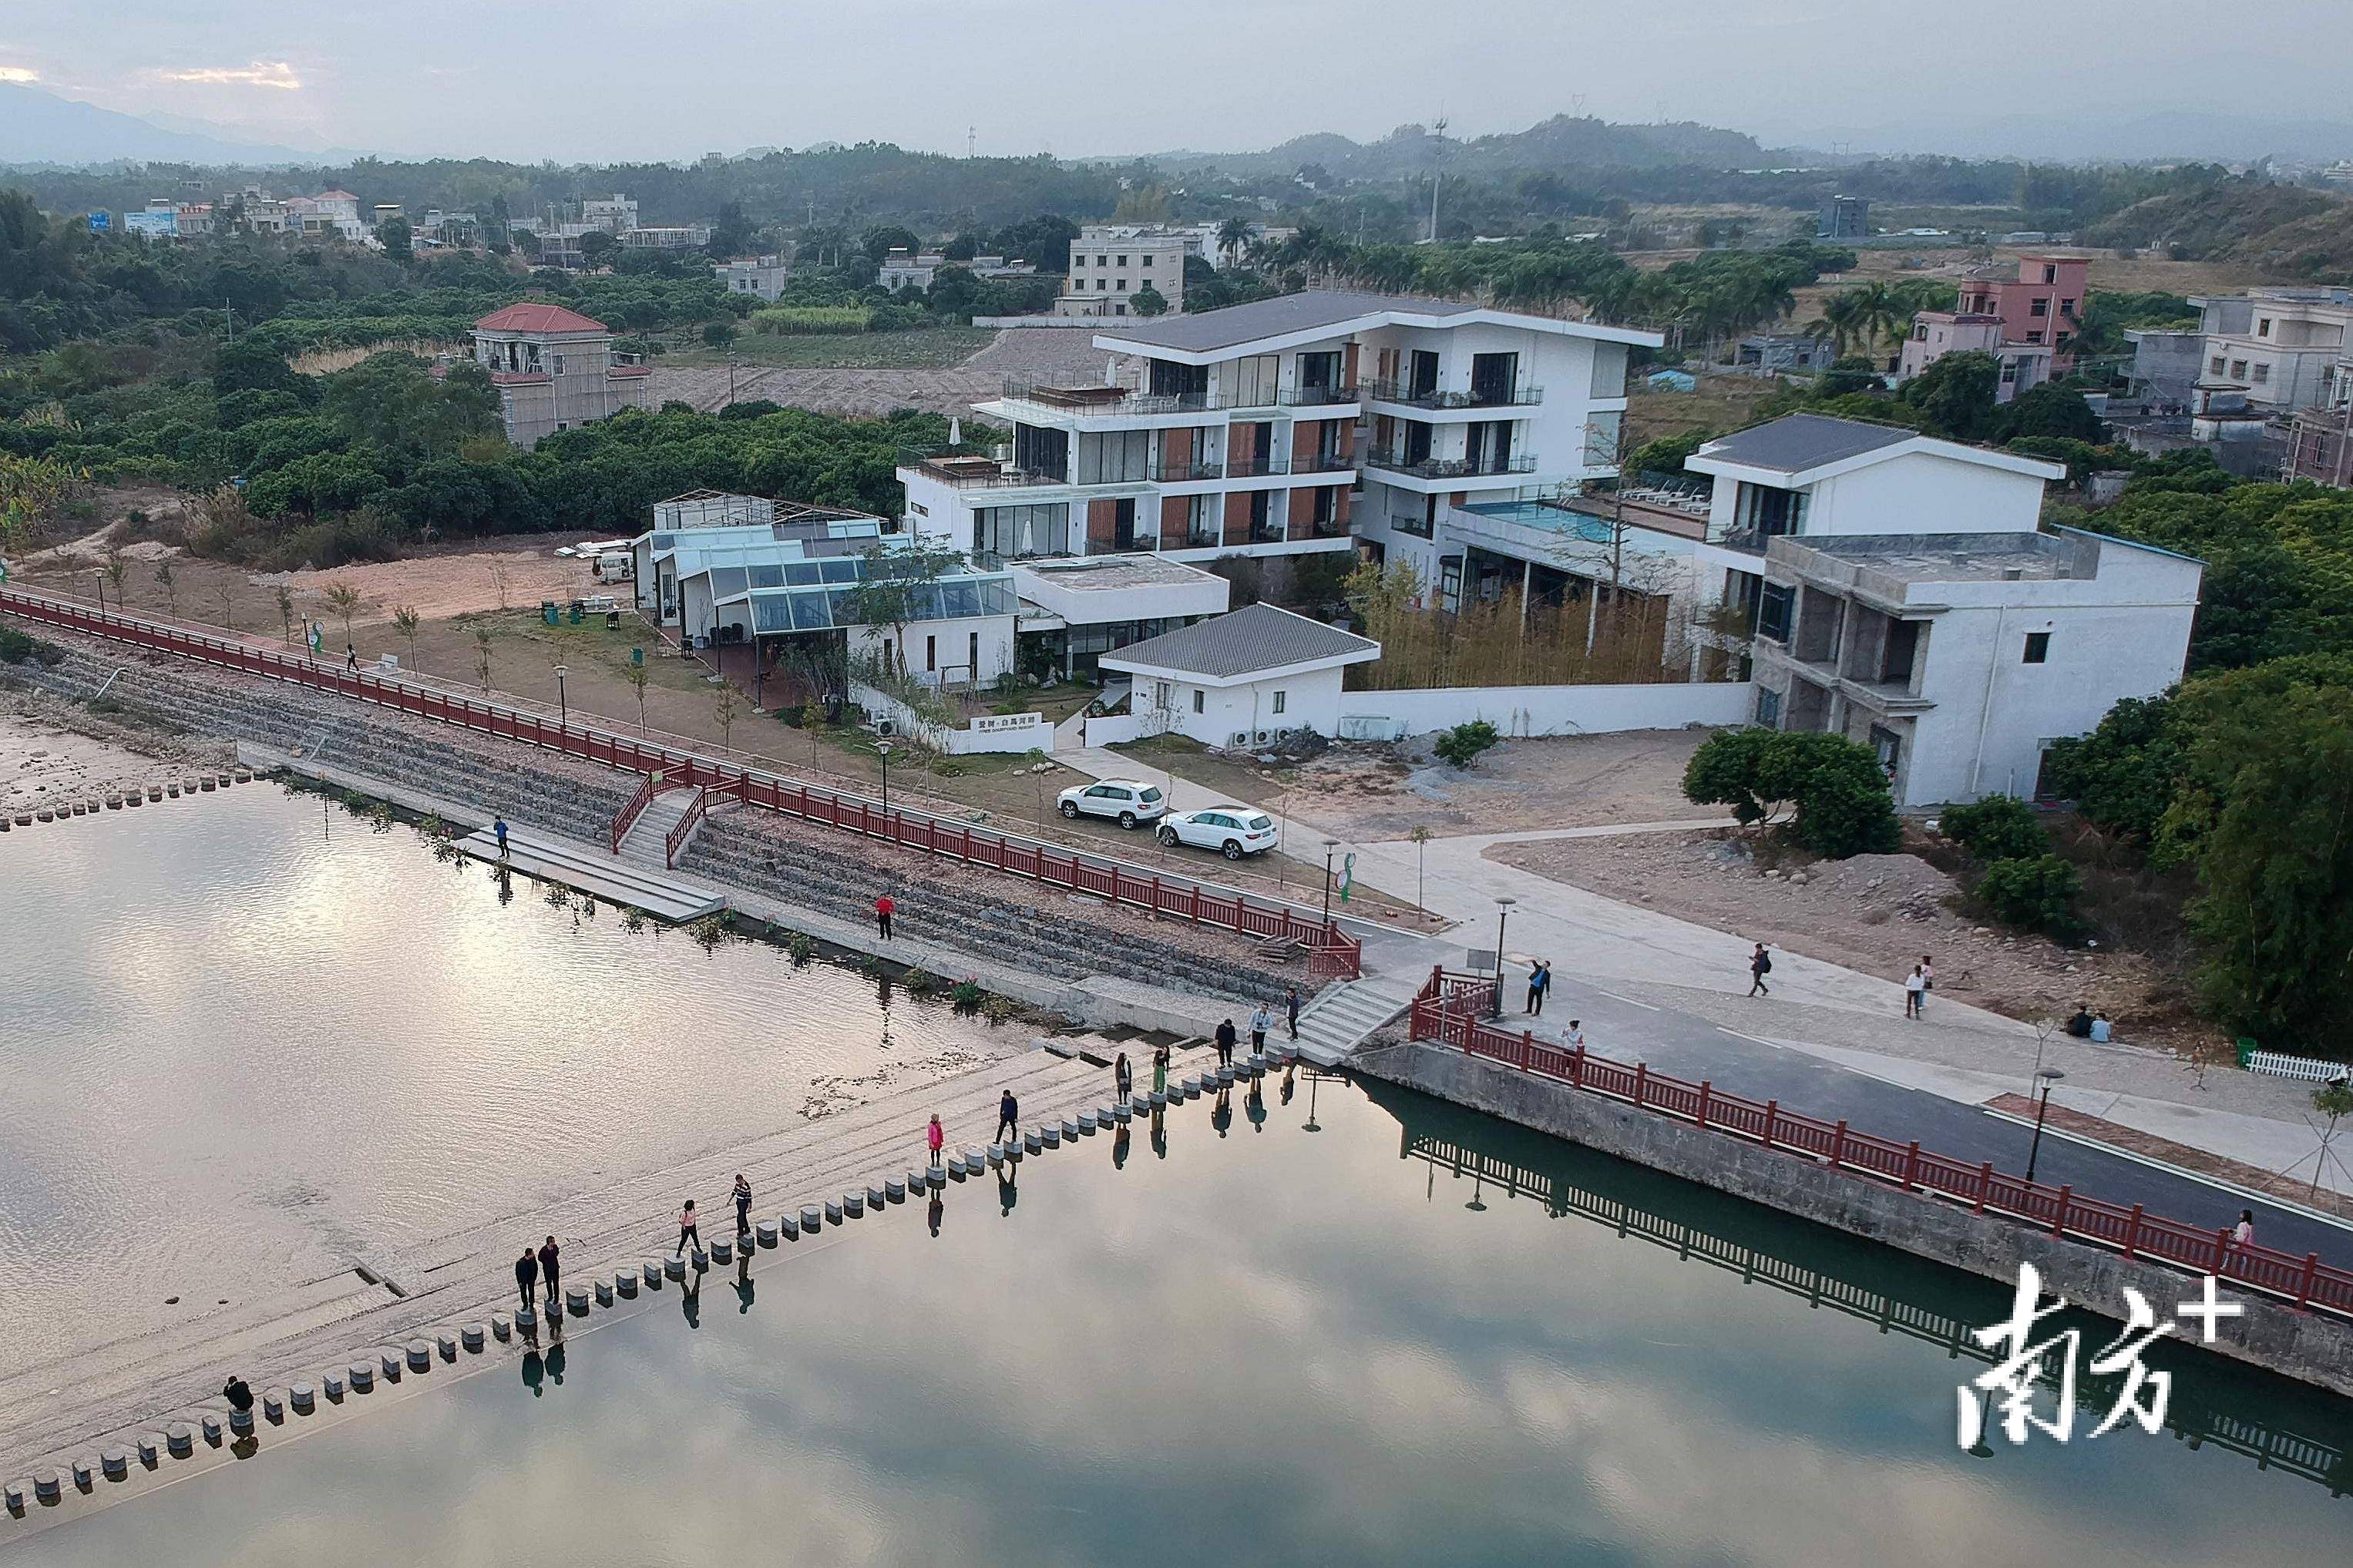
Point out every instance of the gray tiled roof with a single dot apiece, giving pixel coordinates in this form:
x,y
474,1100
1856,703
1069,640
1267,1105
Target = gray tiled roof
x,y
1802,441
1257,637
1273,317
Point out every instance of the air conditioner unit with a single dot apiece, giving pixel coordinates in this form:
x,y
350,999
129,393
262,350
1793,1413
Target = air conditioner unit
x,y
1239,738
1262,737
885,727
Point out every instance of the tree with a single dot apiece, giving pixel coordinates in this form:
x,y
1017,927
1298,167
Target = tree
x,y
1461,744
2035,893
896,586
883,239
1833,789
286,611
732,233
1955,393
2121,776
596,248
118,567
482,657
1149,301
718,334
406,620
962,248
2047,410
1234,238
1999,827
170,584
397,239
343,599
723,709
638,675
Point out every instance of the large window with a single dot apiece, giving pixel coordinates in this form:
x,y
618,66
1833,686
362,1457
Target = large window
x,y
1250,381
1039,450
1114,457
1768,512
1021,531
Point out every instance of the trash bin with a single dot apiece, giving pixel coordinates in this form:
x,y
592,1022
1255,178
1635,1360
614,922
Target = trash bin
x,y
547,611
2247,1049
636,655
579,613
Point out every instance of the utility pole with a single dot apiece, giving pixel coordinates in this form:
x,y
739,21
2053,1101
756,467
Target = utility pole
x,y
969,132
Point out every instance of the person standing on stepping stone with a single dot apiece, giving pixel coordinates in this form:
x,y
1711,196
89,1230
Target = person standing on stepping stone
x,y
1123,1074
688,1230
884,907
526,1276
743,1206
547,1257
1226,1044
1160,1070
239,1393
1290,1010
934,1136
1008,1116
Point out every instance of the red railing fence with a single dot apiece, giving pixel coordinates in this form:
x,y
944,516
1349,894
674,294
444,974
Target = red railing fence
x,y
1450,1011
628,815
684,826
1332,953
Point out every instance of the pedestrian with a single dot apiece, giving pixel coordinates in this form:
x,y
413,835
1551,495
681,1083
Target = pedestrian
x,y
1261,1022
499,828
743,1206
1124,1076
548,1254
239,1393
1290,1010
1761,964
934,1136
1575,1038
527,1277
1008,1116
1916,985
351,658
1535,989
2242,1234
882,908
688,1230
1226,1044
1928,977
1160,1070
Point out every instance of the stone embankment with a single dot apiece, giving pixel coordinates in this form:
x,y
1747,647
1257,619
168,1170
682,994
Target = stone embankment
x,y
942,902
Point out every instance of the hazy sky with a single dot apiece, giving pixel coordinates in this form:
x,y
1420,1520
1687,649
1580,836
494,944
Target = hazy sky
x,y
611,79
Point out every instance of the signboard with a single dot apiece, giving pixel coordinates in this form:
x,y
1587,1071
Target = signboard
x,y
100,223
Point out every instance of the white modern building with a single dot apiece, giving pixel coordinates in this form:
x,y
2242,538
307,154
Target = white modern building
x,y
1318,423
2281,344
760,277
1111,265
1244,679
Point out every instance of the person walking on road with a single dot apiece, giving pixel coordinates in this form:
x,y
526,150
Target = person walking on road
x,y
527,1277
1915,986
1261,1022
743,1206
688,1229
1290,1011
1008,1116
1124,1076
1761,964
351,659
548,1255
2242,1234
883,906
1226,1044
1928,978
934,1137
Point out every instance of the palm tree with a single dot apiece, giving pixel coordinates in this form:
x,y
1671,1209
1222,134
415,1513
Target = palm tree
x,y
1234,238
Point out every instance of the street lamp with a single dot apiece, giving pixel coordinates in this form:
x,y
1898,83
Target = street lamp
x,y
2050,1075
1503,913
1329,846
563,709
882,750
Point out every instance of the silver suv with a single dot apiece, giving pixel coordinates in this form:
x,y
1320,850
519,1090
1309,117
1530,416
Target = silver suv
x,y
1126,801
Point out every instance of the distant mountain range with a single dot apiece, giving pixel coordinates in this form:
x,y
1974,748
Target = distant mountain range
x,y
2185,136
38,127
1412,150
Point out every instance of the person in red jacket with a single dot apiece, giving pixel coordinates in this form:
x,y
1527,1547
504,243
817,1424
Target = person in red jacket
x,y
882,908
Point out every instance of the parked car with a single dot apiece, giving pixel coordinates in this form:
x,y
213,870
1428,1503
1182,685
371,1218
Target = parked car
x,y
1128,800
1233,831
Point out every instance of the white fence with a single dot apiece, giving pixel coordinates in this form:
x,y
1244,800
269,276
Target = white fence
x,y
1014,732
1546,709
2309,1068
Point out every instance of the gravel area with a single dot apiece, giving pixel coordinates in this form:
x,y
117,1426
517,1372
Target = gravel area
x,y
867,393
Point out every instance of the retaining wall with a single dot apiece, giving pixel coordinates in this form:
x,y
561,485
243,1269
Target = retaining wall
x,y
2305,1346
1555,709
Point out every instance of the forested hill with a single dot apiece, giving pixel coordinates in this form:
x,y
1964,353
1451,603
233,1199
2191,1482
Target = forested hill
x,y
1562,142
2286,230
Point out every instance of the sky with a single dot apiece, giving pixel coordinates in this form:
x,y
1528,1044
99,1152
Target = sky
x,y
607,79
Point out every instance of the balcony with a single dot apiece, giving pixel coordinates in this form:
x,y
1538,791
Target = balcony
x,y
1180,473
1121,402
1267,533
1450,468
1258,468
1318,397
1329,528
1324,463
1381,391
1200,539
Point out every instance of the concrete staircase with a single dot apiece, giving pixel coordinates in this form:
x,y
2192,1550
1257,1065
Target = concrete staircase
x,y
1341,1017
587,868
646,843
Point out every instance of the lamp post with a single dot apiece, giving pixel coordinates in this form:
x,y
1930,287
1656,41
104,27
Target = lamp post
x,y
2049,1076
563,709
1329,846
882,750
1502,913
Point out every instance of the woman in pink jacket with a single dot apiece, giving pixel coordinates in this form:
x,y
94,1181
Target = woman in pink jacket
x,y
934,1137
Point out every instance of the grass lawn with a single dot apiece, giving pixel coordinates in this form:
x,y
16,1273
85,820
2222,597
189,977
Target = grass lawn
x,y
923,348
1722,404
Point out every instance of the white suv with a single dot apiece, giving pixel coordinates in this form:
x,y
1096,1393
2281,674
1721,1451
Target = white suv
x,y
1126,800
1233,831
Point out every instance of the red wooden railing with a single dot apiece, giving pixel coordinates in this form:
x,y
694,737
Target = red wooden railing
x,y
629,814
1332,953
683,827
1451,1008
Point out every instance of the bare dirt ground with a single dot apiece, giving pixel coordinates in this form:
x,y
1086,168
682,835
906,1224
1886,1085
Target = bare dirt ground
x,y
1048,353
54,754
1373,792
1878,913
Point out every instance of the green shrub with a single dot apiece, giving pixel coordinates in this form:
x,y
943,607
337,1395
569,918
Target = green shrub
x,y
921,982
1999,827
1833,786
968,995
16,646
1461,744
2036,894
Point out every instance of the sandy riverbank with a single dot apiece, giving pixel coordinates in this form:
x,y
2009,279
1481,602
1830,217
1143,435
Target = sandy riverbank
x,y
43,762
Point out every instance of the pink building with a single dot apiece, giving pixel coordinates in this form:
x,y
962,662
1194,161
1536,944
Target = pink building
x,y
2041,307
1935,333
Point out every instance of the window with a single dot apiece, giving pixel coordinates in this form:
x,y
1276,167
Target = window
x,y
2238,370
1123,261
1773,610
1768,708
2264,327
1102,283
2041,307
1101,261
2216,364
1279,698
1122,285
2038,648
2050,275
931,654
2263,373
972,657
2066,306
1197,695
559,365
1077,261
2034,334
2009,373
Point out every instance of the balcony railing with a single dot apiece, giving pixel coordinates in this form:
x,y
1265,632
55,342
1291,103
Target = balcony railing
x,y
1257,467
1178,473
1267,533
1450,468
1324,463
1390,391
1200,539
1086,401
1319,396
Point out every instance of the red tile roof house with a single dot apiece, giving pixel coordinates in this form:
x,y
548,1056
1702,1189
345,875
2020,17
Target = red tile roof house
x,y
554,369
